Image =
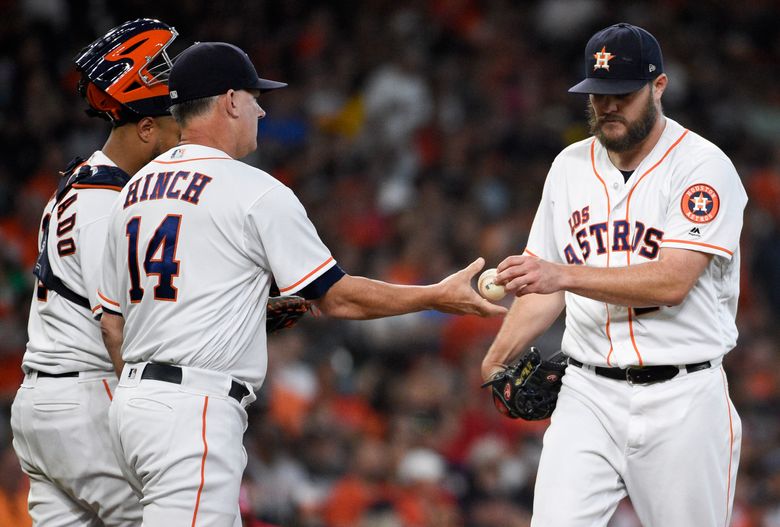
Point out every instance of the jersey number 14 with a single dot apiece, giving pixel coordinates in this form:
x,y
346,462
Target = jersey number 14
x,y
159,260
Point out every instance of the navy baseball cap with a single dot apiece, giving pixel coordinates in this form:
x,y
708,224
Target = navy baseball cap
x,y
206,69
620,59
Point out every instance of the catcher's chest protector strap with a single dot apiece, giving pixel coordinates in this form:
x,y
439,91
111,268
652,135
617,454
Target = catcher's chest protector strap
x,y
100,176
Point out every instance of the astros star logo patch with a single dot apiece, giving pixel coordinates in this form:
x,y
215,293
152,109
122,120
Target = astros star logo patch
x,y
700,203
602,59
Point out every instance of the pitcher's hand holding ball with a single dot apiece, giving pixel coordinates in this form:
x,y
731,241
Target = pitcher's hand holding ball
x,y
523,274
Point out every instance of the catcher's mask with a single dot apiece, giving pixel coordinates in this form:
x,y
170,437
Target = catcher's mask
x,y
124,73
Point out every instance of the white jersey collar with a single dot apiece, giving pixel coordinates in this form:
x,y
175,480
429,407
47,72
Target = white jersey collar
x,y
99,158
191,152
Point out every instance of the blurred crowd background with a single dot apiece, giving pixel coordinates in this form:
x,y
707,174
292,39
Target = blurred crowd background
x,y
418,135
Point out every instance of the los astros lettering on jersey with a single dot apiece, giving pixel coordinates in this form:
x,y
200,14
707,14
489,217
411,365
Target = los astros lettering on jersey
x,y
63,337
209,286
686,194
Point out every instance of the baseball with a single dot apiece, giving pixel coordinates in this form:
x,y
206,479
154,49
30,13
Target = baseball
x,y
488,288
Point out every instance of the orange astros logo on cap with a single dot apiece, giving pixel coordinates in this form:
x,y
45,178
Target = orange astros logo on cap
x,y
700,203
602,59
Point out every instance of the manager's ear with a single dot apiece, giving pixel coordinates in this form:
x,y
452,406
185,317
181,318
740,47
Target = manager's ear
x,y
231,103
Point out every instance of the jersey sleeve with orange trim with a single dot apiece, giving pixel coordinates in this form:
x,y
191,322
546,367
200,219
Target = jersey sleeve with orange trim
x,y
279,236
706,209
92,244
541,240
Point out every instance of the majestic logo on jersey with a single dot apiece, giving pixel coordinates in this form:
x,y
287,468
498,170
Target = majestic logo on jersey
x,y
602,59
694,232
700,203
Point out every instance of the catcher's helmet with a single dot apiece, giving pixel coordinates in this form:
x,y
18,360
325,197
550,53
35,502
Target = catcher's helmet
x,y
124,73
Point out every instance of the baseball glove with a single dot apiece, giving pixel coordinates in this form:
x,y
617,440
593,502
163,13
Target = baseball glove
x,y
528,388
284,312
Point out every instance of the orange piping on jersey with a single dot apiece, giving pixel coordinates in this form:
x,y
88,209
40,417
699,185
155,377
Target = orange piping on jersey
x,y
532,254
609,213
631,192
108,390
633,340
730,253
105,187
94,309
188,160
107,300
202,463
628,254
731,442
323,264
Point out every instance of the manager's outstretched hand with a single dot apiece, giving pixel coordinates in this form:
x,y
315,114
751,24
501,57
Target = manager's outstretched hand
x,y
459,297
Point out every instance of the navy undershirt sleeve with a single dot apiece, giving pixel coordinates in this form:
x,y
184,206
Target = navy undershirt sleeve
x,y
112,312
322,283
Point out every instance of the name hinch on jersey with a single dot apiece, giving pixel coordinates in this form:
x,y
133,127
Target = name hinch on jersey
x,y
590,238
166,185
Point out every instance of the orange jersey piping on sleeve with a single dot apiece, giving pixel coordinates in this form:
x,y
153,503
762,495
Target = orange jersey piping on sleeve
x,y
323,264
108,301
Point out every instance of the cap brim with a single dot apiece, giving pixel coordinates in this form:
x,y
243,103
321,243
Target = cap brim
x,y
265,85
608,86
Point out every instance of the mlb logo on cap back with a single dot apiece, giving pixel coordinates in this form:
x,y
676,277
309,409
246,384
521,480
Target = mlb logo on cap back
x,y
620,59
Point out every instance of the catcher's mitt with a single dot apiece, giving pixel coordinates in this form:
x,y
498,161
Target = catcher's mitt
x,y
529,387
284,312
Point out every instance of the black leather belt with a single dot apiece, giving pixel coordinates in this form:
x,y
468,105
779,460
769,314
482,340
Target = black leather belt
x,y
643,374
173,374
57,375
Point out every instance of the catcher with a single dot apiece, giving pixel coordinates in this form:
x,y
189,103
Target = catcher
x,y
60,414
528,388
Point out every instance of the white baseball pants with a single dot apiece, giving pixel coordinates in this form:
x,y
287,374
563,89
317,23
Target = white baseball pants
x,y
672,447
61,437
181,446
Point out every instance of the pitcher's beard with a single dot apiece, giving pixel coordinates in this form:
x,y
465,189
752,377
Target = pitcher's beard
x,y
636,132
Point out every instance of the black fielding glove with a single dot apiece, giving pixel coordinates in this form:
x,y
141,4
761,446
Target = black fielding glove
x,y
528,388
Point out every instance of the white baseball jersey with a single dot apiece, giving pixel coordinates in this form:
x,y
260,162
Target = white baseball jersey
x,y
653,442
685,194
194,240
63,337
60,425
